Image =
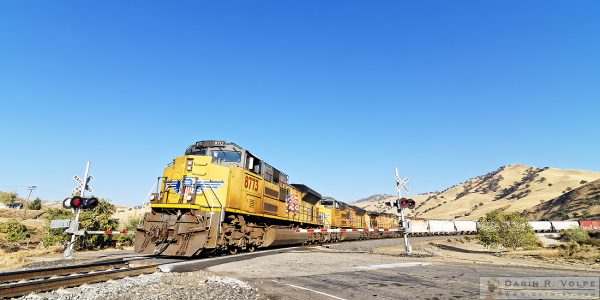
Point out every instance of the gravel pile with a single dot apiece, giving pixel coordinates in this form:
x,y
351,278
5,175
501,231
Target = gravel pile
x,y
192,285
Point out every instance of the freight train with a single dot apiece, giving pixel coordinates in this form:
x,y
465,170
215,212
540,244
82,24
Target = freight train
x,y
419,226
220,197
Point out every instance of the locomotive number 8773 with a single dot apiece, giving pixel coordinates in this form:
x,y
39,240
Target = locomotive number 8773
x,y
219,197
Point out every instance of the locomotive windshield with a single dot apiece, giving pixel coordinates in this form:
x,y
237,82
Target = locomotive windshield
x,y
227,156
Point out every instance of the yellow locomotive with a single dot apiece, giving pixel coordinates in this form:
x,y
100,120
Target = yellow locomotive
x,y
221,197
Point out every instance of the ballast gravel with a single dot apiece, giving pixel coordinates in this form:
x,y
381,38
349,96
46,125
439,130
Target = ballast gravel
x,y
56,263
370,246
192,285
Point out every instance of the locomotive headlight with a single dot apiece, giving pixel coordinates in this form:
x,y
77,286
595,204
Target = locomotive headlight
x,y
189,168
189,197
190,162
152,197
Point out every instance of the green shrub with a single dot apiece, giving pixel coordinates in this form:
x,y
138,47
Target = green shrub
x,y
577,235
7,198
59,213
510,230
593,242
36,204
125,240
14,231
570,248
57,236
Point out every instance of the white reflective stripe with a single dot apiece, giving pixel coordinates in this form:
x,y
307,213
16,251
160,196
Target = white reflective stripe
x,y
311,290
392,266
347,230
109,232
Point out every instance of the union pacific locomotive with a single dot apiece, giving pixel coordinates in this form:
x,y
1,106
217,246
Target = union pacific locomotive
x,y
219,197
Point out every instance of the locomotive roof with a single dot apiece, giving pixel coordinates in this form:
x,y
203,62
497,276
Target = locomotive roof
x,y
212,143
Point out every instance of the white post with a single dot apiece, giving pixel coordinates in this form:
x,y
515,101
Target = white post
x,y
400,184
68,254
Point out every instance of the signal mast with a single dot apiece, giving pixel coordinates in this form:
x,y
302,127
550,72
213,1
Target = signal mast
x,y
401,204
78,202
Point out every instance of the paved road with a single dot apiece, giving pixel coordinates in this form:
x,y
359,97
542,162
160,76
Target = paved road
x,y
400,282
310,274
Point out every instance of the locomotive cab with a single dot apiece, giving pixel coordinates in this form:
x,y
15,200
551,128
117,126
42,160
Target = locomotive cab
x,y
222,153
219,196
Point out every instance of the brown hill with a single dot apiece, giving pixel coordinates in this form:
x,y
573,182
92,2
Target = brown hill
x,y
511,188
580,203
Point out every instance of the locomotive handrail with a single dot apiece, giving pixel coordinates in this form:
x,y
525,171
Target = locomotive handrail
x,y
221,213
220,203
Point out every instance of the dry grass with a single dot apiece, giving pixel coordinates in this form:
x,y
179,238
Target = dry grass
x,y
12,260
587,253
20,214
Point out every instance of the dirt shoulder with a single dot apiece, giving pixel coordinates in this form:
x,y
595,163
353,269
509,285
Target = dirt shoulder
x,y
461,251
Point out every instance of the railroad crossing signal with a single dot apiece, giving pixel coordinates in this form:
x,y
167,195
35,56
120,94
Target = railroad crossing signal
x,y
78,201
83,203
401,204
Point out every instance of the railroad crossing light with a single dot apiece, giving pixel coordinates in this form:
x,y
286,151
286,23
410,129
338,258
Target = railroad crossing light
x,y
66,203
406,203
76,202
83,203
90,203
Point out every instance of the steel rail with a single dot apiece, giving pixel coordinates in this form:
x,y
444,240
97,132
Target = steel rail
x,y
23,288
57,271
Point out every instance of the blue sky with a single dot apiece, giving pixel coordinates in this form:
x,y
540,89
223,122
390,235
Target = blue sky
x,y
334,93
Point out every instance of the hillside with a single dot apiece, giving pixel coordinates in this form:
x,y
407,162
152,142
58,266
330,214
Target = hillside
x,y
374,198
511,188
582,202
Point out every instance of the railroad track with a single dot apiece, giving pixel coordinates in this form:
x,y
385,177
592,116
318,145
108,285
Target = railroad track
x,y
19,283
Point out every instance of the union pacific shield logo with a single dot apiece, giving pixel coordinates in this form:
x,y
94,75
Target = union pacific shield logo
x,y
201,184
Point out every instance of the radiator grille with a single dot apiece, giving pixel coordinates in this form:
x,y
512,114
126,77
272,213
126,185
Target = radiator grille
x,y
271,193
270,208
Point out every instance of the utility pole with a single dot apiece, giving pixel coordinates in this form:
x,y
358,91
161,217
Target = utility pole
x,y
83,186
30,189
401,184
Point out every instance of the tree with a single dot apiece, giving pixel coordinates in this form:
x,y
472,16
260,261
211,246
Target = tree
x,y
510,230
36,204
99,218
8,198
